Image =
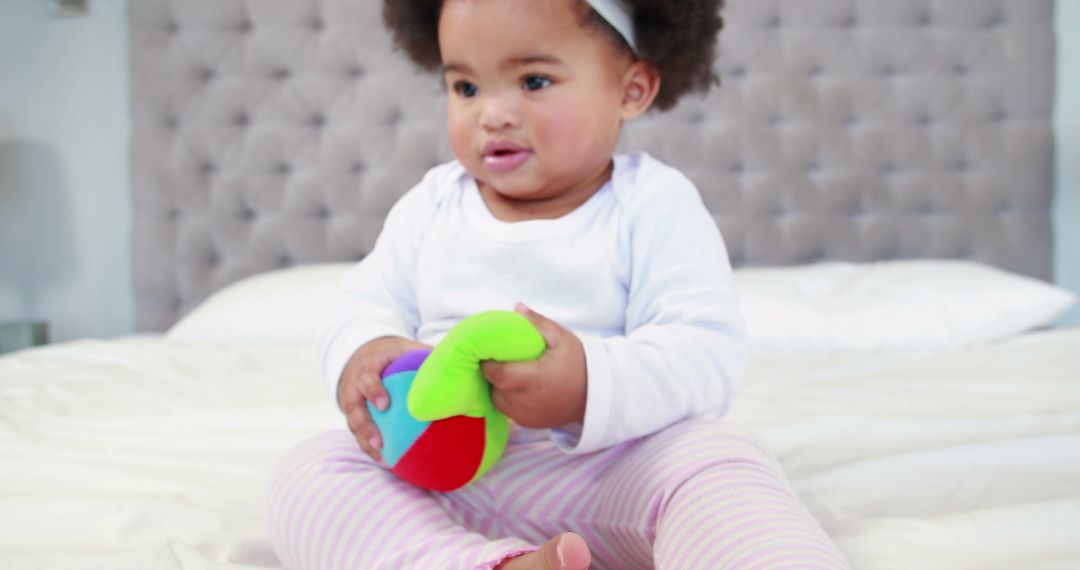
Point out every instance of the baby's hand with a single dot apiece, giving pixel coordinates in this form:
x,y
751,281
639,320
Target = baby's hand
x,y
362,382
543,393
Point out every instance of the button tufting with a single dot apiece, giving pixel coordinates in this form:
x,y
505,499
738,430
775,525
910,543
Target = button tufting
x,y
207,75
322,212
283,169
241,120
172,214
318,24
393,118
818,256
358,167
208,168
318,121
739,257
244,26
282,73
172,27
355,72
170,121
284,260
247,214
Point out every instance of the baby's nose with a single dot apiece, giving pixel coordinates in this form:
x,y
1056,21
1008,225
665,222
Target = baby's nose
x,y
499,113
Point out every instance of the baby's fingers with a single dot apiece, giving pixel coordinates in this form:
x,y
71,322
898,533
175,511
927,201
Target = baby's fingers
x,y
371,387
510,376
365,431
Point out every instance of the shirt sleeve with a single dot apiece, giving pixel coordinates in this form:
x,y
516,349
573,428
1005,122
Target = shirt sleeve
x,y
380,292
684,351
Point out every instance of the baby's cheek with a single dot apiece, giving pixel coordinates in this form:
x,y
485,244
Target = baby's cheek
x,y
566,133
458,140
578,139
461,138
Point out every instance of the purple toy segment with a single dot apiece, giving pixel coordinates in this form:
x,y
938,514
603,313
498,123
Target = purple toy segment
x,y
408,361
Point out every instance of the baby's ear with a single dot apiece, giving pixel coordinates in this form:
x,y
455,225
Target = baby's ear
x,y
641,83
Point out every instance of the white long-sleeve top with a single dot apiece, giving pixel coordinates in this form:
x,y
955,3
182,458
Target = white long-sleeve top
x,y
639,272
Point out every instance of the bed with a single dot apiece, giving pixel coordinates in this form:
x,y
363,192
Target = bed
x,y
883,176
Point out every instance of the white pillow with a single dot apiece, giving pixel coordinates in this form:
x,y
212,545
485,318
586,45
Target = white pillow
x,y
892,305
292,304
829,306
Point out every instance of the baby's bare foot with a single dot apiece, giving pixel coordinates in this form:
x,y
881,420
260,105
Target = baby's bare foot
x,y
567,551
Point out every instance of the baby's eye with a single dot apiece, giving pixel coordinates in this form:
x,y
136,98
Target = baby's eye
x,y
465,89
536,82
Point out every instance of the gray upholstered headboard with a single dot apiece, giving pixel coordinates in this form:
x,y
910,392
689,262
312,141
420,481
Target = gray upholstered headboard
x,y
275,132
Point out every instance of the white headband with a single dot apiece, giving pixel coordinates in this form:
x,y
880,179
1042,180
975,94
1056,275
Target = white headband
x,y
617,13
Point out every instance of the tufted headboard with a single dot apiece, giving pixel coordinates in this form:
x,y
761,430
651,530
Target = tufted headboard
x,y
274,132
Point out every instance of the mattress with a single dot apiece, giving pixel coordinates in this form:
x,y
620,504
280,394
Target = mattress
x,y
153,453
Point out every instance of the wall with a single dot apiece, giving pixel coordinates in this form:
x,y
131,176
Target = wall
x,y
65,207
1067,124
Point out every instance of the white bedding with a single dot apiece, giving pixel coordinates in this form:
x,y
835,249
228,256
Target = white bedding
x,y
147,453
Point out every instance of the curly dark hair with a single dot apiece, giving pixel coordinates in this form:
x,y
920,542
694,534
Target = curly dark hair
x,y
679,38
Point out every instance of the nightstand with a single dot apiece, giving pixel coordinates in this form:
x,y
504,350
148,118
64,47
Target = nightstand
x,y
16,335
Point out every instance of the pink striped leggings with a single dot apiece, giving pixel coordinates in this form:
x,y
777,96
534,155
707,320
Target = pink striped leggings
x,y
700,494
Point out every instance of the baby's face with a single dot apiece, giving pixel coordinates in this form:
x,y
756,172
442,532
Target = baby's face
x,y
534,97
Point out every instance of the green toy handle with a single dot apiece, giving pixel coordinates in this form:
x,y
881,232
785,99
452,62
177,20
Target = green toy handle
x,y
449,383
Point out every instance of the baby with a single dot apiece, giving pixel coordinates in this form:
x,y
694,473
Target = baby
x,y
618,458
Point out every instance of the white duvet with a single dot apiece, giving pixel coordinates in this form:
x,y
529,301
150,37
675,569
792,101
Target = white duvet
x,y
148,454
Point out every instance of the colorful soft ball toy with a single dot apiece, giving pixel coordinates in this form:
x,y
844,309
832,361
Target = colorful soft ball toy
x,y
441,430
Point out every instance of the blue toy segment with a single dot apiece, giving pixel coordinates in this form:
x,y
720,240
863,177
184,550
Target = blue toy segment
x,y
399,429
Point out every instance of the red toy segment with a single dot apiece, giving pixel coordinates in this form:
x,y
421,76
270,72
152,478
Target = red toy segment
x,y
446,456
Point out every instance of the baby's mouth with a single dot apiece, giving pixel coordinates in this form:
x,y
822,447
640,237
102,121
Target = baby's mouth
x,y
504,156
